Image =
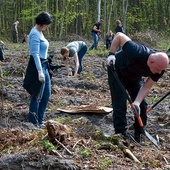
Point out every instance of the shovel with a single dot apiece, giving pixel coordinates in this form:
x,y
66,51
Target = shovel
x,y
154,105
154,141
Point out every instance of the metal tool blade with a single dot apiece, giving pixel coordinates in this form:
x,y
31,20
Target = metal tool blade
x,y
154,141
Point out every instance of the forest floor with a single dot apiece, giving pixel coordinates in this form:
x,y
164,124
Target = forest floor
x,y
91,143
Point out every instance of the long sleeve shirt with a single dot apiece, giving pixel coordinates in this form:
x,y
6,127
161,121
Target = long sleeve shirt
x,y
38,46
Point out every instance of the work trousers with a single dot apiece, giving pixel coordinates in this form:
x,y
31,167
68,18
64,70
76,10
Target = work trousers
x,y
119,102
14,37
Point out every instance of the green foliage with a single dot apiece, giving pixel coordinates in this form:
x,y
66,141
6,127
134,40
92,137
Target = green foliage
x,y
5,73
64,120
85,152
104,163
78,17
47,145
164,44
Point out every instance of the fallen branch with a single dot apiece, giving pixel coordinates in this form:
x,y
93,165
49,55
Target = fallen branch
x,y
131,155
63,146
165,160
57,153
76,143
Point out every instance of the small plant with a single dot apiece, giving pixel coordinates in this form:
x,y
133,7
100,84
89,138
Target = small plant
x,y
64,120
85,152
10,85
47,145
51,108
104,163
91,77
6,73
60,102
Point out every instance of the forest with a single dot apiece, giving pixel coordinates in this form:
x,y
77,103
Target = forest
x,y
77,17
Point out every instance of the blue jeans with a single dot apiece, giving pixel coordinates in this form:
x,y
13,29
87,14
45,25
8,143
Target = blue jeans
x,y
108,43
95,40
38,103
81,54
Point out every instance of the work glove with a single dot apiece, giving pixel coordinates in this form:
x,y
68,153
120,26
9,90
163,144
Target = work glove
x,y
41,76
137,106
111,59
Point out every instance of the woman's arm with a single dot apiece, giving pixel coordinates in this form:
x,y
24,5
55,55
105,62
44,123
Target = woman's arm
x,y
76,63
67,68
34,45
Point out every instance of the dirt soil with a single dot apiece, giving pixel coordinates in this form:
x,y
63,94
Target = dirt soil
x,y
89,144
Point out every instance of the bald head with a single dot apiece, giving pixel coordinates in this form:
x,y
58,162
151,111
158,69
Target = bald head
x,y
158,62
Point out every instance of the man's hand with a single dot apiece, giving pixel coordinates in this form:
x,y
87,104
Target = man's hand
x,y
41,76
111,60
137,106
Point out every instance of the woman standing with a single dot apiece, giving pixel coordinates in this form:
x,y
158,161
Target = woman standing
x,y
76,49
37,76
119,27
108,39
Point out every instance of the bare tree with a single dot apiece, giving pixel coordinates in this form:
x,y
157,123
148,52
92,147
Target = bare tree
x,y
99,10
110,14
124,10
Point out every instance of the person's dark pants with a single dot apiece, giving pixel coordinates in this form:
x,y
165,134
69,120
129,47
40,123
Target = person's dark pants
x,y
81,54
14,37
1,54
108,43
119,103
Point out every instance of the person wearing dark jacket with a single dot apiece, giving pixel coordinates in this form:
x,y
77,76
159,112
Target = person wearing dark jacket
x,y
37,80
119,27
96,31
134,62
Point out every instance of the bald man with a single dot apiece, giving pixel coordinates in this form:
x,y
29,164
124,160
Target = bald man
x,y
134,62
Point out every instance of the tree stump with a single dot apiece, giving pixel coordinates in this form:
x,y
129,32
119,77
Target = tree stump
x,y
58,131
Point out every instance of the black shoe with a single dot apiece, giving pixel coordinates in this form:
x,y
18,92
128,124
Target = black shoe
x,y
139,137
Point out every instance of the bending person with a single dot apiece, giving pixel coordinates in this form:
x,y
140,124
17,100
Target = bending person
x,y
132,63
76,49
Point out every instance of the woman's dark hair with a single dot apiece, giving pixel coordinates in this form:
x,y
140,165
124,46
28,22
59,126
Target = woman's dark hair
x,y
43,18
